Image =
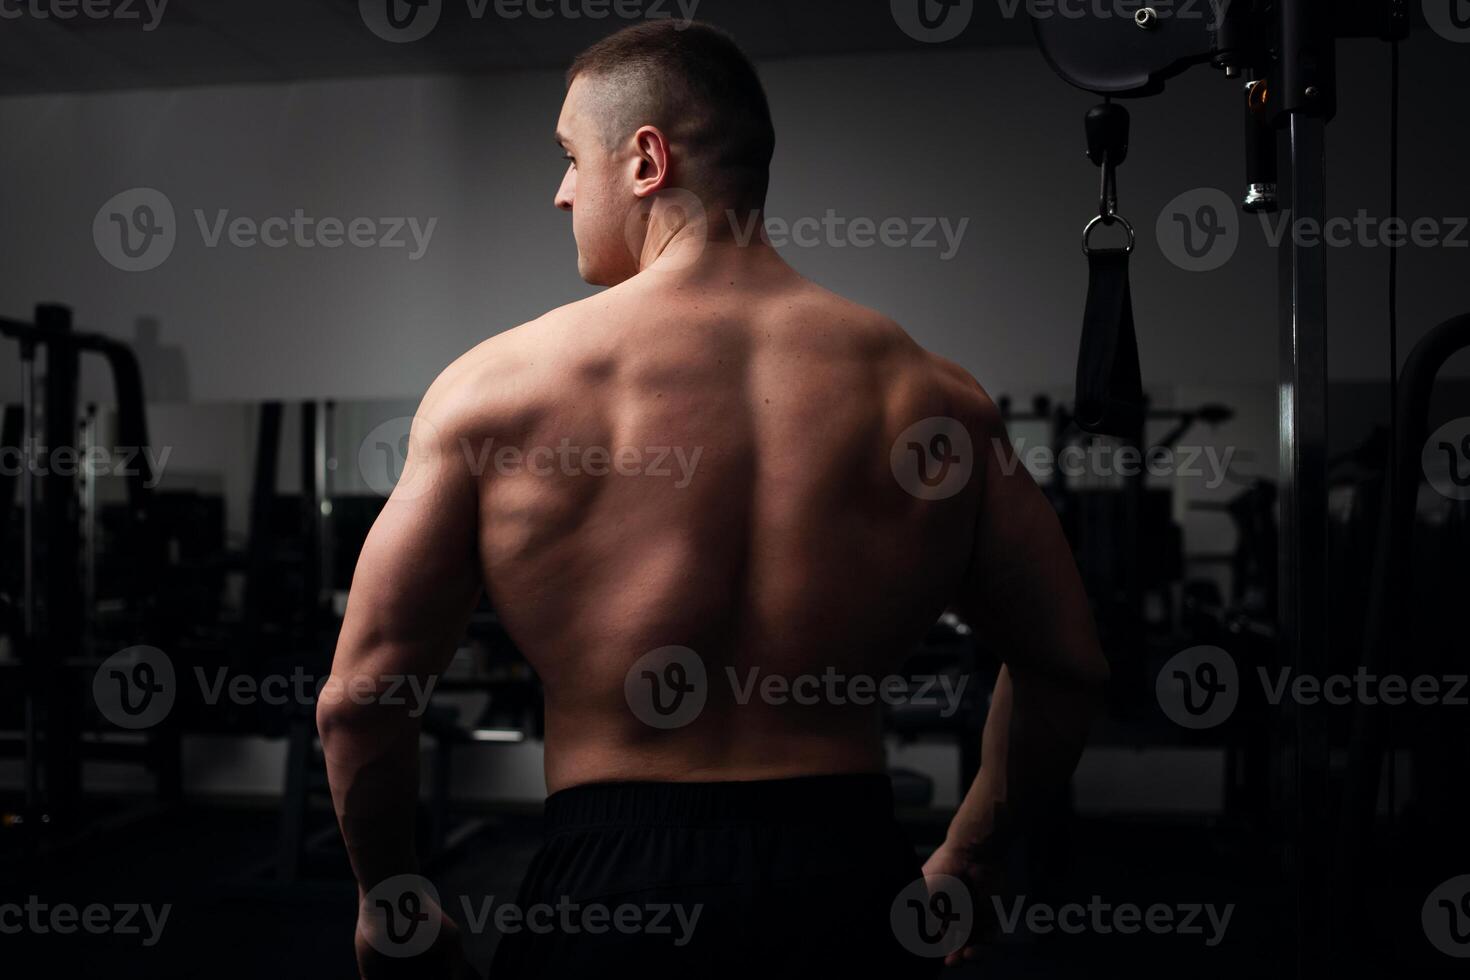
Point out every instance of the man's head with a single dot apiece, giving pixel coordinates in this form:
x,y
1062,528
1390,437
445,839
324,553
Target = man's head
x,y
661,106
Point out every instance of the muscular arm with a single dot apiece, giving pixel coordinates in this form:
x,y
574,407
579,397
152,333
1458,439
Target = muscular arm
x,y
416,583
1025,600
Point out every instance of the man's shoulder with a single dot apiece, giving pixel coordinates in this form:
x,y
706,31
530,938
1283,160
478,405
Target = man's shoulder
x,y
534,342
919,375
504,379
958,381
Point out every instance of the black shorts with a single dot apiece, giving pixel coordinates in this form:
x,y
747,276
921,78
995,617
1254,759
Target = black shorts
x,y
769,878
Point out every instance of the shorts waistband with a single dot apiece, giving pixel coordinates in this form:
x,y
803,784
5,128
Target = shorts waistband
x,y
847,798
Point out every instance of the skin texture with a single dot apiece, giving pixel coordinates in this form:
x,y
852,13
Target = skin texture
x,y
789,547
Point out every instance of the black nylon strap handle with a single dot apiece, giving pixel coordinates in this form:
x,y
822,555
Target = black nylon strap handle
x,y
1109,383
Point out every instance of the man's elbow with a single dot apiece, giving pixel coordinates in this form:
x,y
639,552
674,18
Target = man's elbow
x,y
347,709
335,720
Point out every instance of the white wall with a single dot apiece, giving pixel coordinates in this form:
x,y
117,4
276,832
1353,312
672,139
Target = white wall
x,y
991,136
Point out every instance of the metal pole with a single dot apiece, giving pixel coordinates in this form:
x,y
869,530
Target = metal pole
x,y
60,575
28,503
87,476
326,469
1303,543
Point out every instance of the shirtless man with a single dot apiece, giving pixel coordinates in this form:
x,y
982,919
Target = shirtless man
x,y
827,489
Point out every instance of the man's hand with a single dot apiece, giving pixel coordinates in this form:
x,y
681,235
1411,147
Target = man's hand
x,y
982,879
443,960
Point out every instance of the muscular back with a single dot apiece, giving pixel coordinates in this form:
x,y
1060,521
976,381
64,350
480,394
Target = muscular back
x,y
702,459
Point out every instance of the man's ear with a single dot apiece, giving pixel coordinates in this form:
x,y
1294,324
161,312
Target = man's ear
x,y
651,161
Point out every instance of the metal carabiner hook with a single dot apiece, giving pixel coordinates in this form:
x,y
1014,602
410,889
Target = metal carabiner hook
x,y
1107,194
1107,219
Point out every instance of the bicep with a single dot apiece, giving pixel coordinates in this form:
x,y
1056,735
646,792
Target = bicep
x,y
418,576
1023,594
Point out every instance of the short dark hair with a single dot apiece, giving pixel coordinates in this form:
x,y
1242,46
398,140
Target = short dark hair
x,y
692,81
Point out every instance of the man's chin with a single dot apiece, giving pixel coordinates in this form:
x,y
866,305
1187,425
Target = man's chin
x,y
594,276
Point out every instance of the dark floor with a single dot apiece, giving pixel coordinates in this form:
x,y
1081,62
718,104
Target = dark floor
x,y
230,918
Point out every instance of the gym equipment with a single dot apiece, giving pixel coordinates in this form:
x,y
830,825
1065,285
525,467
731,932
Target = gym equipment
x,y
947,650
1128,547
1285,51
1253,562
51,634
1110,398
1389,622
